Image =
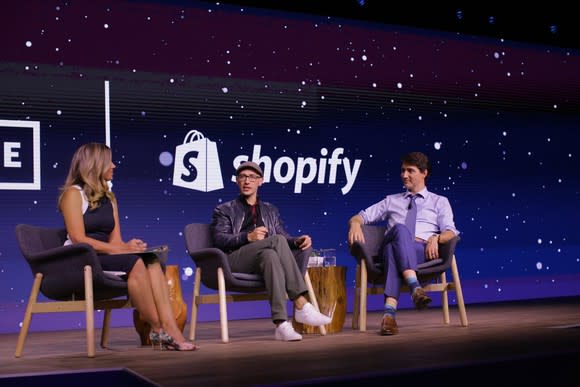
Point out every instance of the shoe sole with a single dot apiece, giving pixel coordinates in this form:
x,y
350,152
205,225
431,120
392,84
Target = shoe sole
x,y
282,339
303,321
315,325
423,303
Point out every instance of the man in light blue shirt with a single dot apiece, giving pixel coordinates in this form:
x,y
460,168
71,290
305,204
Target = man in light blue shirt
x,y
418,221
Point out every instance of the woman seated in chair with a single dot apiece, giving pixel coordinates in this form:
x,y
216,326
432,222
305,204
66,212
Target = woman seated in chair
x,y
91,216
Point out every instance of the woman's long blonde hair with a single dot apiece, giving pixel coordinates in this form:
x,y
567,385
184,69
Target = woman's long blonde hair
x,y
89,163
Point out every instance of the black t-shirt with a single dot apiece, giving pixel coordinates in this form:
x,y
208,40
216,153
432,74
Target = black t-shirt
x,y
252,216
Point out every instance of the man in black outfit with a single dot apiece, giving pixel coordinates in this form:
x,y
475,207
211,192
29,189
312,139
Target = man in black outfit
x,y
251,232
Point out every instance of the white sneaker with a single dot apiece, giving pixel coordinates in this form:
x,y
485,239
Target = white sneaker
x,y
286,332
310,316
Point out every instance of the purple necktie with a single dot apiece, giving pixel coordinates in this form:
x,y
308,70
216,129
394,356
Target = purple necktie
x,y
411,218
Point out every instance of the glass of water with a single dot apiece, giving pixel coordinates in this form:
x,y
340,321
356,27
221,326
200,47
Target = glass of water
x,y
329,257
315,259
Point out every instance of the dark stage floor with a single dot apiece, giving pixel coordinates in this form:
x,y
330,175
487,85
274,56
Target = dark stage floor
x,y
531,342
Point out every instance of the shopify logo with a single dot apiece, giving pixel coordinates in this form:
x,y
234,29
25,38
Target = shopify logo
x,y
305,169
197,166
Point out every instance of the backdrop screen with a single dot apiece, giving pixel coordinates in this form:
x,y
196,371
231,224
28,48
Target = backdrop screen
x,y
184,91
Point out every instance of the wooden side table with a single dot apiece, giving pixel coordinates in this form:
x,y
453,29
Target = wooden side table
x,y
330,289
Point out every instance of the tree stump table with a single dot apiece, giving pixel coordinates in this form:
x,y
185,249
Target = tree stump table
x,y
330,289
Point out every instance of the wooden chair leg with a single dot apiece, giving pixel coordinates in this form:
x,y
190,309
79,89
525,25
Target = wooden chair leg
x,y
313,300
223,306
89,311
105,332
363,297
459,293
194,304
444,298
28,314
356,306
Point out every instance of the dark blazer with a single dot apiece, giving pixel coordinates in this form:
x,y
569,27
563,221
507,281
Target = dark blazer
x,y
227,219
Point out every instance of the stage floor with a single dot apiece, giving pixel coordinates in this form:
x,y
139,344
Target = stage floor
x,y
537,342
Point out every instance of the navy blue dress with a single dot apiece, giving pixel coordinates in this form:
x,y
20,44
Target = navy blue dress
x,y
99,223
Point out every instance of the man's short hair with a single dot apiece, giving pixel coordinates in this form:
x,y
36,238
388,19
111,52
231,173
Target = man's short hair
x,y
418,159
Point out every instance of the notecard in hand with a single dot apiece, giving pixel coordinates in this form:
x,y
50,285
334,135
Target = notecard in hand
x,y
155,252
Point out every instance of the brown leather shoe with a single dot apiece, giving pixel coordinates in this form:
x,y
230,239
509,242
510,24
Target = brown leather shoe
x,y
421,299
389,326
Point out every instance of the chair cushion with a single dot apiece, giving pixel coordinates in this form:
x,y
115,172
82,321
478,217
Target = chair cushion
x,y
246,283
248,277
430,263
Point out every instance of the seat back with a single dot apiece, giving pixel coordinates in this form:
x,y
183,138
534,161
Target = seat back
x,y
373,238
34,239
197,236
62,266
369,251
34,242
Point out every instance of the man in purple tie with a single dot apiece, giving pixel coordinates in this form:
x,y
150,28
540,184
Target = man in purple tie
x,y
417,222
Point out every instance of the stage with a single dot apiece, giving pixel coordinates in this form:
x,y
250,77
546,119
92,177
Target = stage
x,y
536,342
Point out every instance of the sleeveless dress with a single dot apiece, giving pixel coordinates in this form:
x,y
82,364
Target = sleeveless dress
x,y
99,223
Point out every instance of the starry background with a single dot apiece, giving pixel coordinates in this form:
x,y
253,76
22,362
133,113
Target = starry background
x,y
498,119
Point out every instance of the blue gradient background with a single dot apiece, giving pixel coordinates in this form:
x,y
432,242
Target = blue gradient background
x,y
498,119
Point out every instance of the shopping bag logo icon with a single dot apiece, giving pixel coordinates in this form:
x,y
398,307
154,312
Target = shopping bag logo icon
x,y
197,164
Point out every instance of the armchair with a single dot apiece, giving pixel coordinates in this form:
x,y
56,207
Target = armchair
x,y
213,270
431,274
71,278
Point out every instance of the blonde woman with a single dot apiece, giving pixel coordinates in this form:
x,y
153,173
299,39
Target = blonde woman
x,y
91,216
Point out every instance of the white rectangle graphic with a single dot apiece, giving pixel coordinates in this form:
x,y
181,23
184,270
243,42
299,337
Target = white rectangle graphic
x,y
11,156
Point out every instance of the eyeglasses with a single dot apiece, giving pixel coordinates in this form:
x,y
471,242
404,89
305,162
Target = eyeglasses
x,y
250,178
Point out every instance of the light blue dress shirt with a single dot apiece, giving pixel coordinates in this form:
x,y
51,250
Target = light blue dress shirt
x,y
434,214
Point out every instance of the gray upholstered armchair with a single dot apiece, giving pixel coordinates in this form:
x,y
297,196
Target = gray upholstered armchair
x,y
213,270
71,278
370,277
